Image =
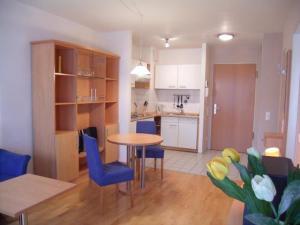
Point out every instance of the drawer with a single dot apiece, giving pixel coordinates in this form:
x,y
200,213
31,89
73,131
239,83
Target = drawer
x,y
188,120
169,119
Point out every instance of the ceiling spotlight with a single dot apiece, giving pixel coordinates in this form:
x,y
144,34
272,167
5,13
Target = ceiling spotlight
x,y
167,44
225,37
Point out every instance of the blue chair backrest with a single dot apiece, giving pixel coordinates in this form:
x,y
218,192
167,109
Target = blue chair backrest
x,y
146,127
95,165
12,163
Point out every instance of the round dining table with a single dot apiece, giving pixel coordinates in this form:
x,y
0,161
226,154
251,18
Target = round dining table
x,y
133,140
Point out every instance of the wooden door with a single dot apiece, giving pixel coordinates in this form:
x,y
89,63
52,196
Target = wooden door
x,y
189,76
233,106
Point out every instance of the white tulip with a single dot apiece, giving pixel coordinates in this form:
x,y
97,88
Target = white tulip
x,y
263,187
253,152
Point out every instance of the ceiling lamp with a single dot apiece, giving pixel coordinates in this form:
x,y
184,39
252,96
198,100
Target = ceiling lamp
x,y
167,44
225,37
139,70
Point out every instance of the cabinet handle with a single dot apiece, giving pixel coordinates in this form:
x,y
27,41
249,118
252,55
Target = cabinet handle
x,y
171,86
172,125
182,86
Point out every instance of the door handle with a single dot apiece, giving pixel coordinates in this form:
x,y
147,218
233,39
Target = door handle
x,y
215,108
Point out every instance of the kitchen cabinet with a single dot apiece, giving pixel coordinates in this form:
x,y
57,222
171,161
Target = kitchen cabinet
x,y
179,132
177,76
187,133
169,131
189,76
166,76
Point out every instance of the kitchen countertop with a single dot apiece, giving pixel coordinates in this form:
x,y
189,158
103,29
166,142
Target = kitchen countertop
x,y
165,114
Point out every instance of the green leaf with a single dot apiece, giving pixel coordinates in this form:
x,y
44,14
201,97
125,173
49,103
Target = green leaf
x,y
293,213
246,177
290,195
294,175
260,219
228,187
255,165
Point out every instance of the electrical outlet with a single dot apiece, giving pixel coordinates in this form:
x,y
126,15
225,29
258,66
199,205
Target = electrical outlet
x,y
268,115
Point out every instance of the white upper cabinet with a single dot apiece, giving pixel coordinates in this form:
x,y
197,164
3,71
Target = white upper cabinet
x,y
177,77
189,76
166,77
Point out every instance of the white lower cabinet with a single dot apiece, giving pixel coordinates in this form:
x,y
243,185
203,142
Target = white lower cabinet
x,y
179,132
169,131
187,133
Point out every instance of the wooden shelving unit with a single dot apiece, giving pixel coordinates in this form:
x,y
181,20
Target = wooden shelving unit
x,y
73,88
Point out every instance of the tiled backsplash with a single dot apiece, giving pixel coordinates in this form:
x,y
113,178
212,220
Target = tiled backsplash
x,y
164,98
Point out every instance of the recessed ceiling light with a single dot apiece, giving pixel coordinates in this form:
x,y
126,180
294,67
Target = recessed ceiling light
x,y
225,37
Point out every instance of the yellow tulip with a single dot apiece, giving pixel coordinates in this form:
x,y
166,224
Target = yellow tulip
x,y
230,154
218,168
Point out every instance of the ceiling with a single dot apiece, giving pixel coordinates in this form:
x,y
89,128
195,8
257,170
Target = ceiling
x,y
191,22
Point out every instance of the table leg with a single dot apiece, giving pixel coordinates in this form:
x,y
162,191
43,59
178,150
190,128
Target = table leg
x,y
128,163
23,219
133,158
143,168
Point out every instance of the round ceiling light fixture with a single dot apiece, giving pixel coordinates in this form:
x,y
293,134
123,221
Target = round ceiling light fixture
x,y
167,44
225,36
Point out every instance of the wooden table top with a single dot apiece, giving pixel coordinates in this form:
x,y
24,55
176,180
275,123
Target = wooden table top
x,y
22,193
136,139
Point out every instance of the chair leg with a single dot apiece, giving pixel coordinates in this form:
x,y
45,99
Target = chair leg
x,y
162,168
155,163
130,192
101,193
138,168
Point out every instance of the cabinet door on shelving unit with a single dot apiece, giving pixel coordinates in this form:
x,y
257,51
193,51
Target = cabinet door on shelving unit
x,y
84,62
187,133
111,150
166,77
67,157
99,65
189,76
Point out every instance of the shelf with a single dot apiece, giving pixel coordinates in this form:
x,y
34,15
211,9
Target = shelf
x,y
64,131
111,101
91,102
65,74
111,79
89,77
65,103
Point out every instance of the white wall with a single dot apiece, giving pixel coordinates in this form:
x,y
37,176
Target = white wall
x,y
291,23
292,135
20,24
267,57
121,43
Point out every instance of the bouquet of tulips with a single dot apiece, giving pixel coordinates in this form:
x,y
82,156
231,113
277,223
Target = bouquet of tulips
x,y
258,190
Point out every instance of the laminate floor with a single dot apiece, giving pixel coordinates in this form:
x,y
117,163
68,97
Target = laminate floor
x,y
180,199
194,163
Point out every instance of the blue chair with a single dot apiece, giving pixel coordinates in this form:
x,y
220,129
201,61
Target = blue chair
x,y
12,164
154,151
106,174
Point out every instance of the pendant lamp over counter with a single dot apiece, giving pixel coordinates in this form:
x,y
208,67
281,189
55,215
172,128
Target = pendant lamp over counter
x,y
139,70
